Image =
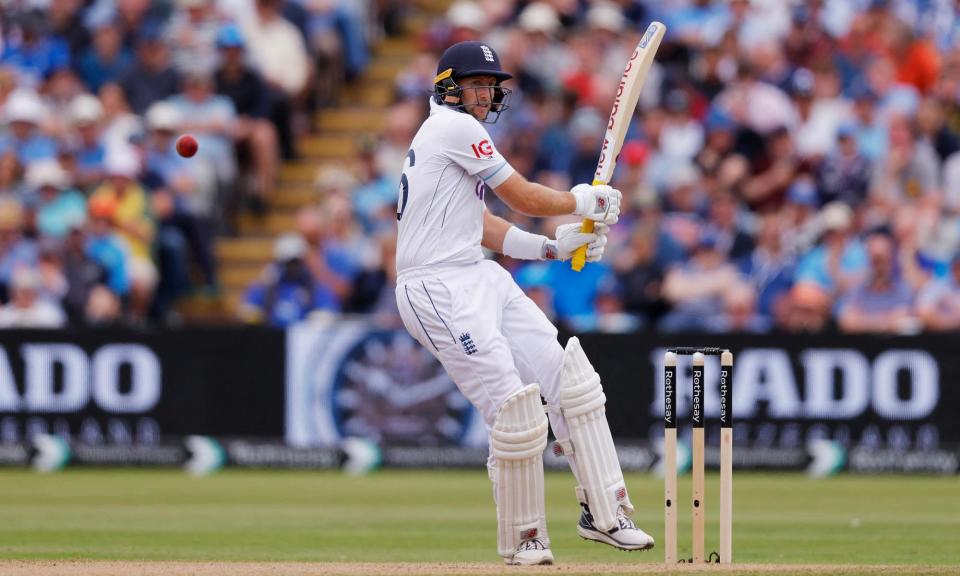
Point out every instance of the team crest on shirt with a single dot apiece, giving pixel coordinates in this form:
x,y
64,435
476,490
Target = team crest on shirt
x,y
482,149
469,348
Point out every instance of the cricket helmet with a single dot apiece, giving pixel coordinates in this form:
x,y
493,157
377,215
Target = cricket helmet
x,y
465,59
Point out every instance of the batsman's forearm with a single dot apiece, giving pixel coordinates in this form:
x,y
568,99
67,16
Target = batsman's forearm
x,y
494,231
535,199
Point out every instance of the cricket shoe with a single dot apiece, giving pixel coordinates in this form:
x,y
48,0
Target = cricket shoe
x,y
531,553
625,535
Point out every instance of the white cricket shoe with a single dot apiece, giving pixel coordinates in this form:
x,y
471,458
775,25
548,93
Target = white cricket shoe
x,y
625,536
531,553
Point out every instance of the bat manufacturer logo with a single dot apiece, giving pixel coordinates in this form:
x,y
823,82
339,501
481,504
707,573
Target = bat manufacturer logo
x,y
483,149
651,30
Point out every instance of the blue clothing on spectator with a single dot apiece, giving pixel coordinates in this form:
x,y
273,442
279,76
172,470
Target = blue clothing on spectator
x,y
57,217
814,266
574,293
348,27
289,302
41,58
24,253
95,72
35,147
771,279
108,252
371,197
91,158
869,301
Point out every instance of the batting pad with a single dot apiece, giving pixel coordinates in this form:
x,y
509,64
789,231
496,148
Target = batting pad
x,y
582,403
517,441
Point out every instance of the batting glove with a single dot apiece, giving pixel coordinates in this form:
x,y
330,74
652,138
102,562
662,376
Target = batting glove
x,y
569,238
598,203
596,248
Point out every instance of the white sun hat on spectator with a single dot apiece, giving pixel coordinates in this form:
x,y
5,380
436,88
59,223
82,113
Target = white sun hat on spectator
x,y
47,173
85,109
288,247
539,17
163,116
23,106
836,216
467,14
605,16
122,161
683,174
334,179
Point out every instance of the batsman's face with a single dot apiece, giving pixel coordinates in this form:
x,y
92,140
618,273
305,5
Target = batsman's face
x,y
477,95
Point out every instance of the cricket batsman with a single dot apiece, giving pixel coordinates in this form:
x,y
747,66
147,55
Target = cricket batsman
x,y
495,343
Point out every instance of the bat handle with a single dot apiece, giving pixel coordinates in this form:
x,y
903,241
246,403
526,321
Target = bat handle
x,y
580,254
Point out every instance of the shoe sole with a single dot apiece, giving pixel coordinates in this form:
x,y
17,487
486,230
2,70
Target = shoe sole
x,y
595,536
545,561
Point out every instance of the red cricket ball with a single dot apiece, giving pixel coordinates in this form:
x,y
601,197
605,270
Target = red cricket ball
x,y
187,146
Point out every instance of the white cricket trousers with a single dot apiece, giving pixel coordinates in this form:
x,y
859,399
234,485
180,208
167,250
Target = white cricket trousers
x,y
489,336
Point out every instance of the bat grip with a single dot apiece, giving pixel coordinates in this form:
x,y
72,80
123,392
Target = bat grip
x,y
580,254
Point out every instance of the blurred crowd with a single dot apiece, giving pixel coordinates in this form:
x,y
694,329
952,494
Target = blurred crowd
x,y
100,220
794,165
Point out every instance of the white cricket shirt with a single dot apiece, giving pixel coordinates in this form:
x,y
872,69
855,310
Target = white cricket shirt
x,y
440,204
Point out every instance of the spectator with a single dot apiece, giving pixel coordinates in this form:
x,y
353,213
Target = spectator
x,y
211,118
107,58
328,269
769,268
59,207
838,263
277,50
807,309
103,246
192,33
25,141
681,136
253,98
908,173
696,289
89,149
26,309
33,53
375,198
254,133
938,304
16,250
150,78
640,273
134,224
883,301
287,291
845,173
739,313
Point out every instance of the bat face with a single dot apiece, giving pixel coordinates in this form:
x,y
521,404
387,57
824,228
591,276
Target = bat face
x,y
628,93
625,101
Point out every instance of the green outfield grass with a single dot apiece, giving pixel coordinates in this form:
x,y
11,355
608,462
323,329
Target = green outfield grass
x,y
449,516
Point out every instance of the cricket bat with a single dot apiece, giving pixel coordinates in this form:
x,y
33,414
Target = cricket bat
x,y
628,93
